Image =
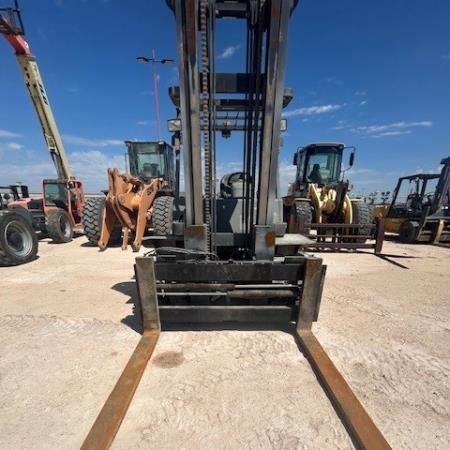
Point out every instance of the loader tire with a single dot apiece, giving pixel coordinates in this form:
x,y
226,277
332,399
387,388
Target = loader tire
x,y
58,226
408,232
162,217
18,240
93,220
302,215
362,216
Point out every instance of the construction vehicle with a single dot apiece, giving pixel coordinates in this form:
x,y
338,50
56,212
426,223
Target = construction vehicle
x,y
137,202
18,241
63,198
318,200
225,268
423,215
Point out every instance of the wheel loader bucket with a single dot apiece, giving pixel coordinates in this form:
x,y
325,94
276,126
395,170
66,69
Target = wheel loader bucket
x,y
128,205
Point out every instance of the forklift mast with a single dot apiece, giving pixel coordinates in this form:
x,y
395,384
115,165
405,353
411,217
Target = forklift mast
x,y
442,193
250,101
12,29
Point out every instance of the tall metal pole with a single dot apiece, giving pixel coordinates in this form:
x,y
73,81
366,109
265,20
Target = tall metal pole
x,y
156,94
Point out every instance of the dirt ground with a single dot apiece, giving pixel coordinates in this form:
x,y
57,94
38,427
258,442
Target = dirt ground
x,y
67,328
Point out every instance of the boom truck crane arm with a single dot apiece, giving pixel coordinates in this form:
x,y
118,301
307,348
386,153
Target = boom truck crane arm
x,y
60,210
12,30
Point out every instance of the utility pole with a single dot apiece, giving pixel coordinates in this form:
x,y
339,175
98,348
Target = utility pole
x,y
154,61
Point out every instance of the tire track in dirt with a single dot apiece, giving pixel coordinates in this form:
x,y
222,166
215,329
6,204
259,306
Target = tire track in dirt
x,y
44,326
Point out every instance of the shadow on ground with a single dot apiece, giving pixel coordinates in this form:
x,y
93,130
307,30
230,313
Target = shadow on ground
x,y
133,320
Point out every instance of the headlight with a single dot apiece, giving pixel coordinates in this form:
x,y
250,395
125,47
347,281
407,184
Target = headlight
x,y
174,125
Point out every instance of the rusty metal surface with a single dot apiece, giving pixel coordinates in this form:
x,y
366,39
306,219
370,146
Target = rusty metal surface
x,y
346,236
108,421
359,425
311,293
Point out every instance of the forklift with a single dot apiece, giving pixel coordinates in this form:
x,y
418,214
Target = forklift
x,y
423,215
58,213
226,267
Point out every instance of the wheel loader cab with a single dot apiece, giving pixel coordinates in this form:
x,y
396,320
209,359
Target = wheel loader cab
x,y
319,164
149,160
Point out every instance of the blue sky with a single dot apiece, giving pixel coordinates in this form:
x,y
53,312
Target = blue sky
x,y
371,74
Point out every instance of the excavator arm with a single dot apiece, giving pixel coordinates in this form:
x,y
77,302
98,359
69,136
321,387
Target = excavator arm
x,y
35,86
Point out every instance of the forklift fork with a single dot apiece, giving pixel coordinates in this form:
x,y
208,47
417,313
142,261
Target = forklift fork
x,y
310,275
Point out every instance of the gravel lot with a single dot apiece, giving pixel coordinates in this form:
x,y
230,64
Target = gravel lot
x,y
67,329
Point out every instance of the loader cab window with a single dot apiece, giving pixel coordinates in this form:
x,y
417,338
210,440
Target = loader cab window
x,y
148,159
150,165
323,165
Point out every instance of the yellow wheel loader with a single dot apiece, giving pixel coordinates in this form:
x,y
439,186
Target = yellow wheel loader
x,y
420,207
137,203
319,198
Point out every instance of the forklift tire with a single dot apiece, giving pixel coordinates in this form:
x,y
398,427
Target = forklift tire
x,y
408,232
162,217
18,240
302,214
58,226
93,221
362,216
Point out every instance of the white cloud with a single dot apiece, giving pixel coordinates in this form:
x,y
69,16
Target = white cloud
x,y
361,171
73,90
29,173
14,145
364,102
229,51
391,133
360,93
86,142
91,166
312,110
287,172
446,57
333,80
9,134
142,122
393,129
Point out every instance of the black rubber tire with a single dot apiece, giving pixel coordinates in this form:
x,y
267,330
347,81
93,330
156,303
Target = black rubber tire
x,y
302,213
93,220
362,216
58,226
162,217
408,232
18,240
